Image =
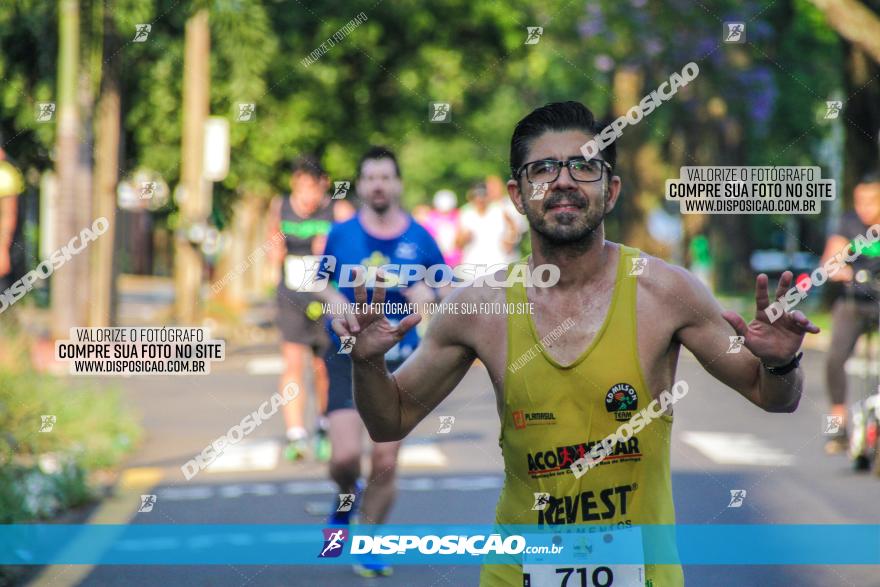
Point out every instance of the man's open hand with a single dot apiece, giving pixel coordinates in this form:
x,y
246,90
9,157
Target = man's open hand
x,y
374,334
774,343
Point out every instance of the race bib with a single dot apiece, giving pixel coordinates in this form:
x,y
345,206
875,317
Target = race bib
x,y
583,556
583,576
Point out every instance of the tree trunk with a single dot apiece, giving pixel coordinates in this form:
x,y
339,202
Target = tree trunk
x,y
855,22
862,113
240,276
194,207
106,177
65,281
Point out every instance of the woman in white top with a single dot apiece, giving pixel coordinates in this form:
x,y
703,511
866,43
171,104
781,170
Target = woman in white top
x,y
486,234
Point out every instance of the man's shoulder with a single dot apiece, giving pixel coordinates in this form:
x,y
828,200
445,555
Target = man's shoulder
x,y
347,226
849,225
417,230
475,292
675,288
325,212
456,319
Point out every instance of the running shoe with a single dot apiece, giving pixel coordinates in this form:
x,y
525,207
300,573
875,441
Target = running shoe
x,y
837,444
369,566
296,450
322,446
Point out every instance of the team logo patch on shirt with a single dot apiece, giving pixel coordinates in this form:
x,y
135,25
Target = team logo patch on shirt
x,y
522,419
622,400
406,250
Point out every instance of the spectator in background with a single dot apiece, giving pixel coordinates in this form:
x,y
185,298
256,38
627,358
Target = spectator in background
x,y
11,185
343,210
420,213
486,234
497,190
856,312
442,222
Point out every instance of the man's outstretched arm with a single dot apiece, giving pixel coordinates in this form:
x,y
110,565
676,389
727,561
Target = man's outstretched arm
x,y
765,344
392,405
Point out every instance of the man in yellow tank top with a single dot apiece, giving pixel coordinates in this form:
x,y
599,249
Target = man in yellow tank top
x,y
600,346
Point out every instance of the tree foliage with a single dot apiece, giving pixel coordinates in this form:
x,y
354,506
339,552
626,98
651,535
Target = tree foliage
x,y
758,103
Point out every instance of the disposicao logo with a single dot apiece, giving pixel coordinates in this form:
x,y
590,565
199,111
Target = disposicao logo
x,y
334,541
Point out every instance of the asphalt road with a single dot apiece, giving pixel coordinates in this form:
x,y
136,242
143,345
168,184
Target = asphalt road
x,y
720,443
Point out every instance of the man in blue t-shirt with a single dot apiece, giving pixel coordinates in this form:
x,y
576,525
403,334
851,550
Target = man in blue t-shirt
x,y
381,233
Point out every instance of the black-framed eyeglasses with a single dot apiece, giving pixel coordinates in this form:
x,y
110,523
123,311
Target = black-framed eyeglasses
x,y
548,170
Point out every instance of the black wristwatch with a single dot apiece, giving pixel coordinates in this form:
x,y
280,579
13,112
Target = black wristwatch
x,y
791,366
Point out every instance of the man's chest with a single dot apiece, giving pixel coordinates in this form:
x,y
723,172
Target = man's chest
x,y
564,332
363,252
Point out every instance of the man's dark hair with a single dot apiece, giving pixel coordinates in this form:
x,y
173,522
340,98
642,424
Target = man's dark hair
x,y
308,163
872,176
558,116
478,189
379,152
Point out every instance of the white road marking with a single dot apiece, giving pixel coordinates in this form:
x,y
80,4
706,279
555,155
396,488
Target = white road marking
x,y
321,487
470,483
737,449
859,367
421,455
247,455
186,493
253,488
309,487
268,365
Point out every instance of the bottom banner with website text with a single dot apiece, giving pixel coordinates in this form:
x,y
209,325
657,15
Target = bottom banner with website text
x,y
166,544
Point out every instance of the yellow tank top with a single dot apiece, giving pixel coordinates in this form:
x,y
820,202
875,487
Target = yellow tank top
x,y
553,414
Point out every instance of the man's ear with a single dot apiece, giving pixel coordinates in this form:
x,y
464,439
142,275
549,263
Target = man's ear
x,y
515,195
613,193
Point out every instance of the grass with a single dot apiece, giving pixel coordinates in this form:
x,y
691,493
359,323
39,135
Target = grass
x,y
44,473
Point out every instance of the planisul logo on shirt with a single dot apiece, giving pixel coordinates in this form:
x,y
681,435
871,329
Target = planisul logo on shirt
x,y
521,419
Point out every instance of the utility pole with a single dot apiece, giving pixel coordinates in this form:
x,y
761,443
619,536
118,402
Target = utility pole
x,y
193,201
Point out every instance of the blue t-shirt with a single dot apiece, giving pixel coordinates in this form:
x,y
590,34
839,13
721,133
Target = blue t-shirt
x,y
350,244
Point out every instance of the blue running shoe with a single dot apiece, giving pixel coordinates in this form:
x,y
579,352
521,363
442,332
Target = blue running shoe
x,y
338,518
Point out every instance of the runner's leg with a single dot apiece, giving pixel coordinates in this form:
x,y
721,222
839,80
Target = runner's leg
x,y
294,356
322,383
845,330
382,484
346,430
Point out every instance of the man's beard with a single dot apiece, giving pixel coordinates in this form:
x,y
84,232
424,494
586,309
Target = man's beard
x,y
569,227
381,206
